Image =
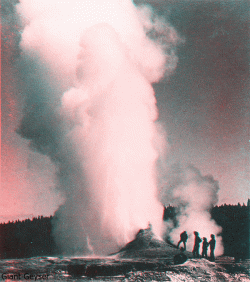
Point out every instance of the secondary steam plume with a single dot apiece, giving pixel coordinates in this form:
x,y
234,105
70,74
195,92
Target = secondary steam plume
x,y
107,54
193,195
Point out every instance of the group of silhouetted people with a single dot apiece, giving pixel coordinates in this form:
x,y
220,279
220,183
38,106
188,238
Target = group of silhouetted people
x,y
197,241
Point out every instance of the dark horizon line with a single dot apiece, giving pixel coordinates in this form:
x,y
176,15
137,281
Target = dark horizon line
x,y
165,206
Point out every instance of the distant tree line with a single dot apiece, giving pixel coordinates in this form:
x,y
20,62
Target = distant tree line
x,y
29,238
234,221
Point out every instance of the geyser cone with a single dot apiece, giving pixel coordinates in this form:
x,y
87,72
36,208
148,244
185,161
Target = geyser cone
x,y
115,133
147,245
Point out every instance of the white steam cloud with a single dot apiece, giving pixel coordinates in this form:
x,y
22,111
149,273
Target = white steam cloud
x,y
106,54
193,195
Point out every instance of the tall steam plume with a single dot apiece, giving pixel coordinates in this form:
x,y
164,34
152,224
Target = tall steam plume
x,y
104,55
193,195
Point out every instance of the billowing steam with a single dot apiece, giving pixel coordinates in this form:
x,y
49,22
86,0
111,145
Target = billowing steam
x,y
193,195
104,55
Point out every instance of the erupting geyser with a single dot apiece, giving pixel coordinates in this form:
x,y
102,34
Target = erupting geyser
x,y
105,54
114,108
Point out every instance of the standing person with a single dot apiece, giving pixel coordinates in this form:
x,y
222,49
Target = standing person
x,y
212,244
197,241
204,247
183,238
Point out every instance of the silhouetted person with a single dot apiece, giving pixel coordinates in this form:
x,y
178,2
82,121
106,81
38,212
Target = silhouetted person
x,y
183,238
197,241
212,243
205,245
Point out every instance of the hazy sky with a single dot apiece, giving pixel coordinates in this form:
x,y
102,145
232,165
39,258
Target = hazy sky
x,y
204,106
